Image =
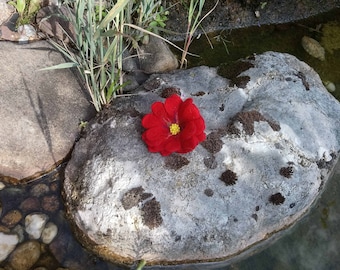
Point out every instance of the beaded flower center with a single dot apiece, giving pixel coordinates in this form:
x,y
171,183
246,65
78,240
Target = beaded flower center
x,y
174,129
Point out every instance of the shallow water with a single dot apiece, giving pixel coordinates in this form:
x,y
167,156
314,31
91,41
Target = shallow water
x,y
313,243
231,45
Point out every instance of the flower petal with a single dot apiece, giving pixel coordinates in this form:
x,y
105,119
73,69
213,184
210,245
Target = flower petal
x,y
159,110
188,111
151,120
155,136
172,105
173,144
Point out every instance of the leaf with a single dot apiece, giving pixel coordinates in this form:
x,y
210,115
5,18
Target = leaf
x,y
61,66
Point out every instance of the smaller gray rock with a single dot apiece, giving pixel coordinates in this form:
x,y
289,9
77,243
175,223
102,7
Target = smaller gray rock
x,y
156,57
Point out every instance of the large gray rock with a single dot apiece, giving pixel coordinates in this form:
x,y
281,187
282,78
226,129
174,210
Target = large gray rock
x,y
40,110
272,140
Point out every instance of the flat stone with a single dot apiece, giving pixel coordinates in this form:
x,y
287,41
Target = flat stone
x,y
273,139
40,110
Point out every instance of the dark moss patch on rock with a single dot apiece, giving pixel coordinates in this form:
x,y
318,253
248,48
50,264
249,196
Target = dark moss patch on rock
x,y
213,142
228,177
175,162
199,94
134,196
209,192
286,171
323,164
247,119
151,214
240,82
152,84
277,198
169,91
302,76
232,72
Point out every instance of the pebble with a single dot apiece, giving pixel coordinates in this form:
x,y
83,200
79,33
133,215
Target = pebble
x,y
12,218
19,230
35,224
24,256
50,203
2,185
49,233
313,47
30,204
7,244
39,189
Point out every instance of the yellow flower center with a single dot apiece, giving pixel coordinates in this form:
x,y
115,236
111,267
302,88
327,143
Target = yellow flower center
x,y
174,129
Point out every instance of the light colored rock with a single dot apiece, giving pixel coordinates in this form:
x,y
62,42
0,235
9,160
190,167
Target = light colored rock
x,y
40,110
34,224
50,231
269,152
313,47
2,186
8,243
25,256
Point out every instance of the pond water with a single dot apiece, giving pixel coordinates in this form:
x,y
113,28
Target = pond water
x,y
313,243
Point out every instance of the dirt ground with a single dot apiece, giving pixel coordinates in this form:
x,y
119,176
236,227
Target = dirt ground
x,y
231,14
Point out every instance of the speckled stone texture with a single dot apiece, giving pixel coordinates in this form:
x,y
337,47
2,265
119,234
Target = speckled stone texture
x,y
273,138
40,110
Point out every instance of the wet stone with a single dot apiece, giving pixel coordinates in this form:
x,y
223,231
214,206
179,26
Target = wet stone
x,y
49,233
39,190
34,224
12,218
30,204
25,256
7,244
50,203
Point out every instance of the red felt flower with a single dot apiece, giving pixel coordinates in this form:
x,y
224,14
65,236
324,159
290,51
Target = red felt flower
x,y
175,126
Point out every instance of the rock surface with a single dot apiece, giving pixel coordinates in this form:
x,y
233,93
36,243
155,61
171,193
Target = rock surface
x,y
40,110
272,140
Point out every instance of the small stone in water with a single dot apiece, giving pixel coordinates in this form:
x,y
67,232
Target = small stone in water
x,y
12,218
313,47
329,86
34,224
49,232
39,190
50,203
2,186
25,256
7,244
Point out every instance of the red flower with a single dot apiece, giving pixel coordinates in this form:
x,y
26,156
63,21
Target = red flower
x,y
175,126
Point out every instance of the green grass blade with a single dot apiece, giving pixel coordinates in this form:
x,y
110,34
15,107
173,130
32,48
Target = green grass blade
x,y
61,66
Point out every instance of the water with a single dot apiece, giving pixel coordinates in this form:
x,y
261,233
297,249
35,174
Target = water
x,y
313,243
231,45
